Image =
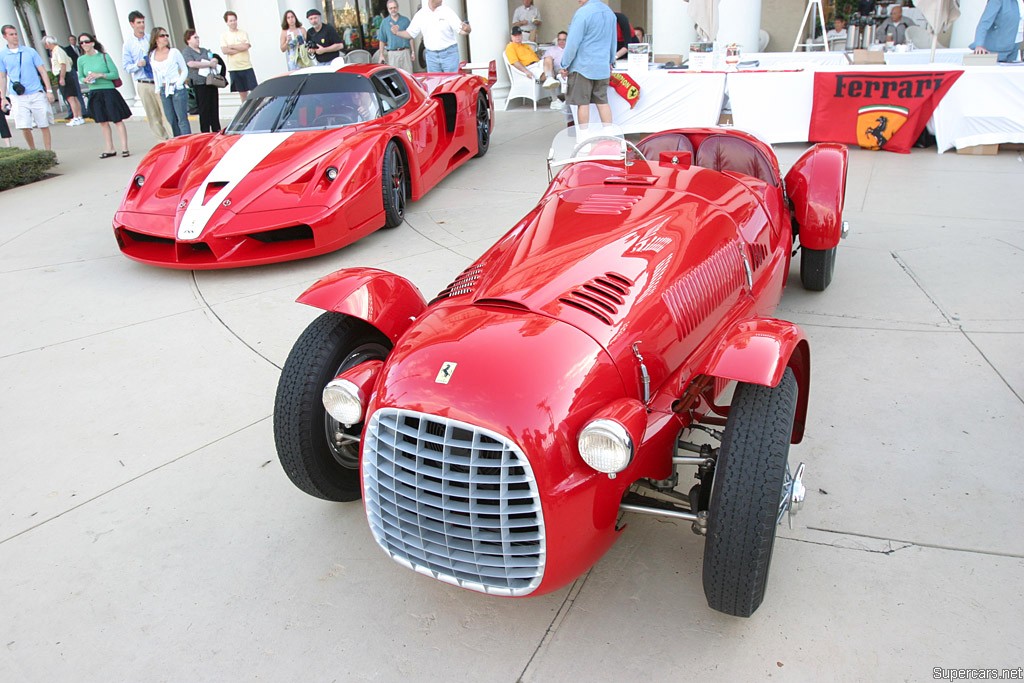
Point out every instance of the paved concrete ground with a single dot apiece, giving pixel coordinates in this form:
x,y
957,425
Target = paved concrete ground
x,y
147,532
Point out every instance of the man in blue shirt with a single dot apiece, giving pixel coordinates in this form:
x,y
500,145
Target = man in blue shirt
x,y
588,58
997,30
395,50
23,76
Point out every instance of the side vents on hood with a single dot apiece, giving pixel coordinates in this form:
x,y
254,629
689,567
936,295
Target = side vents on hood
x,y
697,295
607,204
601,297
465,283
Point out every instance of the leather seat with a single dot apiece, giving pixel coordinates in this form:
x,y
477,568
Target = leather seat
x,y
728,153
653,145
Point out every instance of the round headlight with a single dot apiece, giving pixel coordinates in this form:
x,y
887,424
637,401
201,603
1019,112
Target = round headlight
x,y
139,180
606,446
331,173
343,402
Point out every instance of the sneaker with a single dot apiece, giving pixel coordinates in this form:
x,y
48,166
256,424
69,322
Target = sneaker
x,y
77,122
552,83
557,105
70,122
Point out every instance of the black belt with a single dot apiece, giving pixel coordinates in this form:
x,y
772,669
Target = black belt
x,y
396,49
143,80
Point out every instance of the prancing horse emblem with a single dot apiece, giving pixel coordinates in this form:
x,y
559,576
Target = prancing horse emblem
x,y
444,375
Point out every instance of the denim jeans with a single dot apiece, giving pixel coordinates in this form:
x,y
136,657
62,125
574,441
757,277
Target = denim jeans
x,y
176,111
443,61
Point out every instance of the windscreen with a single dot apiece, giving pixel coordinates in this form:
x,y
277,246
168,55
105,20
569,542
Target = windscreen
x,y
312,101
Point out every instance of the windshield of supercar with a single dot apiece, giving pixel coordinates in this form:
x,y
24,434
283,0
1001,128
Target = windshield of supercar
x,y
307,101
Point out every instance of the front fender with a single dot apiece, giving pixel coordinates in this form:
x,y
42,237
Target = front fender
x,y
817,187
387,301
758,351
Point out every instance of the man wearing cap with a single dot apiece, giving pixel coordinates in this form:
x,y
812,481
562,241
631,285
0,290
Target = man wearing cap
x,y
395,50
524,59
322,39
439,26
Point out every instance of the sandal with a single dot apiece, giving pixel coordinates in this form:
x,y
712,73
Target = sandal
x,y
126,153
107,155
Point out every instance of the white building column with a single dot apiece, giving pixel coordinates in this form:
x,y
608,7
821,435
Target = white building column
x,y
491,25
967,25
107,25
739,21
55,21
78,17
672,27
8,16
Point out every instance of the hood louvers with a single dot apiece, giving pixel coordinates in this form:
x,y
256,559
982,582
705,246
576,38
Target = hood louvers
x,y
601,297
465,283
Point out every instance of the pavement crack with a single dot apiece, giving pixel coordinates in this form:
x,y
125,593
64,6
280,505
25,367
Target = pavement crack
x,y
1009,386
559,617
910,273
907,543
209,308
891,550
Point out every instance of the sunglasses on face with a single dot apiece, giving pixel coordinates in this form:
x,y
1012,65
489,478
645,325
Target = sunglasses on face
x,y
85,41
163,35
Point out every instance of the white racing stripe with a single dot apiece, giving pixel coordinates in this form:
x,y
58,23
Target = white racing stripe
x,y
236,164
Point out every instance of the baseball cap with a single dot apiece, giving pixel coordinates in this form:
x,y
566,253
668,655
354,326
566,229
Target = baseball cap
x,y
311,12
516,31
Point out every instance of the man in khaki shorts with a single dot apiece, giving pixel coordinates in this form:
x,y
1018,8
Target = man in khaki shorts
x,y
588,58
22,77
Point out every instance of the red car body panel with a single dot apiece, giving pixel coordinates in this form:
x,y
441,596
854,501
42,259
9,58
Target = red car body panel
x,y
817,187
284,207
665,259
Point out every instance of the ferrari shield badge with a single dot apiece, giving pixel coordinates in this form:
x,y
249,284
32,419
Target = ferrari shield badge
x,y
444,375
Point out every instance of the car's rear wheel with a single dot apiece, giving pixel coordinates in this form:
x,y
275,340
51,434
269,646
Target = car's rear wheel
x,y
394,186
816,266
747,494
483,125
320,455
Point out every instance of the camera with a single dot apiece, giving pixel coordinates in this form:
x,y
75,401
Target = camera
x,y
18,88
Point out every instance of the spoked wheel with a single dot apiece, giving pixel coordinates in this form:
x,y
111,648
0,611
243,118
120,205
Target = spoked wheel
x,y
816,266
320,455
394,188
746,496
483,125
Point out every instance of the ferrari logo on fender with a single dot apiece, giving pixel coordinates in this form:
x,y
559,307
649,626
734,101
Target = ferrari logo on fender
x,y
444,375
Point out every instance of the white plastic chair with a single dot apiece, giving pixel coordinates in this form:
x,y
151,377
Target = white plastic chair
x,y
919,37
521,85
357,57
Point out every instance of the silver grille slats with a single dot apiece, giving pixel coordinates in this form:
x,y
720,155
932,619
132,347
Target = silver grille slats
x,y
453,501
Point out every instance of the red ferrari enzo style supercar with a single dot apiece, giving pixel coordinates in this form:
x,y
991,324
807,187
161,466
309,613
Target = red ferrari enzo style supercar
x,y
617,334
314,160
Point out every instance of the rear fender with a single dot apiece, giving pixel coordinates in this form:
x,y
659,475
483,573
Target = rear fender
x,y
758,352
387,301
817,187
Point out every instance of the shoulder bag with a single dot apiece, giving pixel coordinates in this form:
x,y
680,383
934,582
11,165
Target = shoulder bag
x,y
116,81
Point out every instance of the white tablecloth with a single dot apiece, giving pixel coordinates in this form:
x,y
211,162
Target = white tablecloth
x,y
984,107
668,99
946,55
774,105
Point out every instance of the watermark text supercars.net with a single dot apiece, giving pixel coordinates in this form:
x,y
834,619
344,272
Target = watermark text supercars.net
x,y
943,674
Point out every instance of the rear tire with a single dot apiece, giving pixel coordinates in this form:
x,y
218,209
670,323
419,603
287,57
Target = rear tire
x,y
483,125
816,266
746,495
332,343
394,188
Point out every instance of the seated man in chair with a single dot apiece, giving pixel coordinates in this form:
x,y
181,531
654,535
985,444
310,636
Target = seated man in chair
x,y
524,59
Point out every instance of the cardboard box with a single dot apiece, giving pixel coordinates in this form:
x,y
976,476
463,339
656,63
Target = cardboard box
x,y
979,150
868,57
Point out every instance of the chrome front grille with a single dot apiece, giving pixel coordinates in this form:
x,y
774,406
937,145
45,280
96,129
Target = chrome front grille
x,y
453,501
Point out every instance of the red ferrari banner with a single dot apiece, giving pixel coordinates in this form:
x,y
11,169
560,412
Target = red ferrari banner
x,y
627,88
876,109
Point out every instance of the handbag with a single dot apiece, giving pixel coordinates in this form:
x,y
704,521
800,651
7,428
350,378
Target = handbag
x,y
116,81
302,56
216,80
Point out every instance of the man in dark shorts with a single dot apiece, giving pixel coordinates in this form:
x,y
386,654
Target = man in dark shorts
x,y
588,58
323,39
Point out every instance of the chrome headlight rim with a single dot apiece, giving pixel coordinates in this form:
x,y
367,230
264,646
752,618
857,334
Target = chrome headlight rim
x,y
617,434
344,402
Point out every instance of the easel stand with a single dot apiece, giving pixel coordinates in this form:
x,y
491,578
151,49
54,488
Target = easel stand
x,y
816,13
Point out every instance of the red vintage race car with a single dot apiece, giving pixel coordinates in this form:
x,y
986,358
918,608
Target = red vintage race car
x,y
314,160
616,335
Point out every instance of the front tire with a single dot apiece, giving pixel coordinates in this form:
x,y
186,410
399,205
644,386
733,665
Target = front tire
x,y
319,455
394,188
746,496
816,266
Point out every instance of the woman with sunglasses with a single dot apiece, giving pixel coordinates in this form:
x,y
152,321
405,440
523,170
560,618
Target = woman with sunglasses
x,y
169,75
106,105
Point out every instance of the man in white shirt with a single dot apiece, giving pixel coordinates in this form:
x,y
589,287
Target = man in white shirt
x,y
135,62
527,18
439,25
